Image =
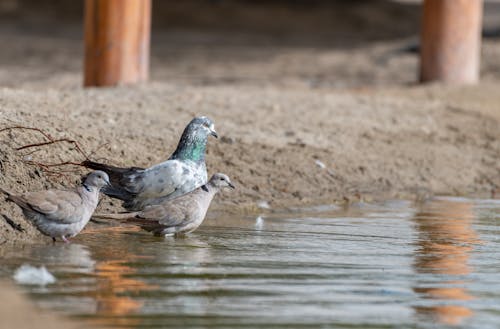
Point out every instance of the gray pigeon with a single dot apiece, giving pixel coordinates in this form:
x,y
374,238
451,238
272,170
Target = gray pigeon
x,y
62,213
184,171
177,216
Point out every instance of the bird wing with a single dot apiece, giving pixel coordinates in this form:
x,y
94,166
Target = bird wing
x,y
171,213
64,206
165,179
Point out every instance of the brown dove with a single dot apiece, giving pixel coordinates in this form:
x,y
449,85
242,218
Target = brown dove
x,y
176,216
62,213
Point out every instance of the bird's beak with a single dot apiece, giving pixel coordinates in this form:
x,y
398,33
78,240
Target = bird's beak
x,y
231,185
213,132
108,183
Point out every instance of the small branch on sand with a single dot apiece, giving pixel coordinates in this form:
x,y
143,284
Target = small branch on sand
x,y
95,150
46,167
50,141
51,165
54,141
28,128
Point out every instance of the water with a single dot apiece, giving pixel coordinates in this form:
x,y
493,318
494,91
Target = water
x,y
387,265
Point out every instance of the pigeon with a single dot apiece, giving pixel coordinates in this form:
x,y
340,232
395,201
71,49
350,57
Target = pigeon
x,y
62,213
184,171
177,216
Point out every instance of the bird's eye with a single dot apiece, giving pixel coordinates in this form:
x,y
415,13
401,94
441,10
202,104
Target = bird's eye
x,y
221,178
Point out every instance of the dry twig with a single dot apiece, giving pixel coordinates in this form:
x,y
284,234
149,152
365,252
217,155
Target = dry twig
x,y
46,167
27,128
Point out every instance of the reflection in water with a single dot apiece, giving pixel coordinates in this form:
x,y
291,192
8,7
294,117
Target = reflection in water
x,y
445,239
112,305
190,251
372,266
72,255
113,285
190,259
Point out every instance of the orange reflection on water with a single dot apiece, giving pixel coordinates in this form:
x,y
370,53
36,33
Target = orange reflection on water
x,y
447,314
445,239
114,284
111,283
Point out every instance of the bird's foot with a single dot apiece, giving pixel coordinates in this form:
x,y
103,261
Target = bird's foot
x,y
53,240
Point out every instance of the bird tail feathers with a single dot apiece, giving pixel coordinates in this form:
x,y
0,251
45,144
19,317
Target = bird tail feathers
x,y
103,167
117,176
20,201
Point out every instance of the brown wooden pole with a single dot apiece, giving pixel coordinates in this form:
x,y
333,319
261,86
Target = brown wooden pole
x,y
117,37
451,41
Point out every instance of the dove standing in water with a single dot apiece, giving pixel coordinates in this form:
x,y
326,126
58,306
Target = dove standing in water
x,y
184,171
62,213
178,216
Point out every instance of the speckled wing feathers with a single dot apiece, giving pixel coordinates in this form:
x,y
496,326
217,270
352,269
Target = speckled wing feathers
x,y
162,180
170,179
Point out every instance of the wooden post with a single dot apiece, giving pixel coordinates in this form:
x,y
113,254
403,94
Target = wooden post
x,y
451,41
117,36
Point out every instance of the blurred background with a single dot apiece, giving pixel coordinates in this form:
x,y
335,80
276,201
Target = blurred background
x,y
292,43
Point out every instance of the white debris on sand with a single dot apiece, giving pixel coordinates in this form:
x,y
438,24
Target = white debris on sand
x,y
28,274
263,204
259,222
320,164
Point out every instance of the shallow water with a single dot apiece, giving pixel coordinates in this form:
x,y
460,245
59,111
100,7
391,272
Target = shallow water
x,y
387,265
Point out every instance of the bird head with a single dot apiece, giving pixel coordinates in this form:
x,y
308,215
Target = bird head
x,y
202,126
97,179
194,140
220,181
